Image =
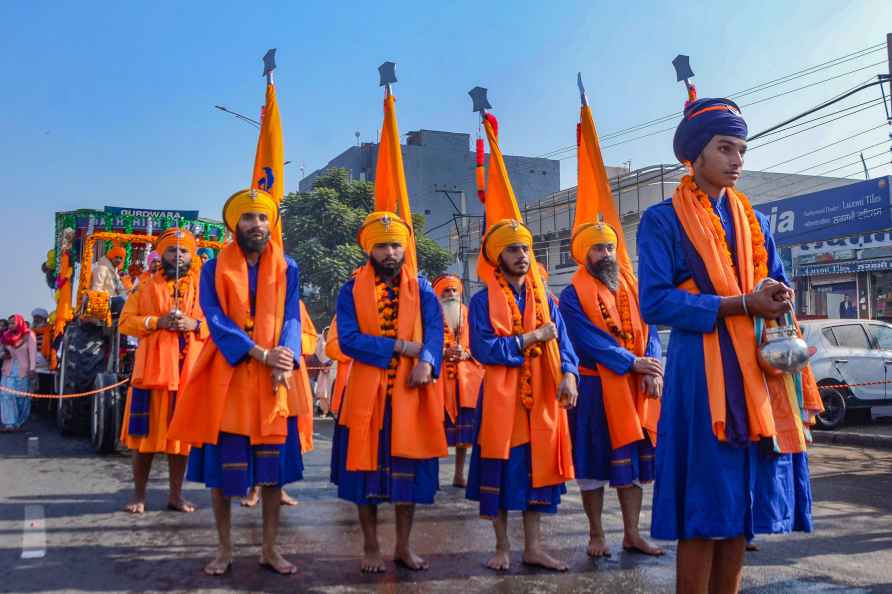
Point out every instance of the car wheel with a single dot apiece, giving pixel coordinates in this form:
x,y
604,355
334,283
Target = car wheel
x,y
834,408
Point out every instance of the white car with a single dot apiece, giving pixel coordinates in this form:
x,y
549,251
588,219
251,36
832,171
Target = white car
x,y
857,353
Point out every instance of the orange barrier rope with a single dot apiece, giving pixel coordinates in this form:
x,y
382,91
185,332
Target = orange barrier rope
x,y
77,395
877,383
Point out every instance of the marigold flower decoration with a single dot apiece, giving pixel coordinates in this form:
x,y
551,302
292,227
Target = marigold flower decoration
x,y
534,350
623,333
757,238
449,342
388,311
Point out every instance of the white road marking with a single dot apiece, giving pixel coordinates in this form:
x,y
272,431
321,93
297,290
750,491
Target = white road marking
x,y
34,446
34,534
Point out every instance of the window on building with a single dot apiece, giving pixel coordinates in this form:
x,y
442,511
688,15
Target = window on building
x,y
565,258
540,249
882,336
851,336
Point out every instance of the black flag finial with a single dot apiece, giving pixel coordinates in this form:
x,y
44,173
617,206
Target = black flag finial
x,y
478,96
683,70
387,73
269,62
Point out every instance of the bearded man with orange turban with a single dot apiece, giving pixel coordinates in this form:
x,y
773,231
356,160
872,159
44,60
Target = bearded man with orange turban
x,y
614,423
240,404
389,432
462,375
106,276
164,313
731,450
522,455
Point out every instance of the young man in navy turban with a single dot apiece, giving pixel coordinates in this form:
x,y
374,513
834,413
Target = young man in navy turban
x,y
731,456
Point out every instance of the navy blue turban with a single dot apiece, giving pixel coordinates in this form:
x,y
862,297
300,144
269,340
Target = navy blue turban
x,y
703,119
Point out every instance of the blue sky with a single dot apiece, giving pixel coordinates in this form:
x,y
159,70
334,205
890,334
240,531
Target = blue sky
x,y
111,103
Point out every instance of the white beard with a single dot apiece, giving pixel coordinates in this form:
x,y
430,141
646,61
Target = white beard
x,y
452,314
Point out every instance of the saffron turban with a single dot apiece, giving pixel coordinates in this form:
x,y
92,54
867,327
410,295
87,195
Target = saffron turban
x,y
503,234
382,227
251,200
173,236
446,281
588,234
116,252
703,119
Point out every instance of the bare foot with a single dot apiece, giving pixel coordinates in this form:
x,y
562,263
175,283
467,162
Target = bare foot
x,y
275,562
539,558
501,561
180,505
410,560
288,499
597,547
252,499
135,507
220,565
636,544
372,562
459,482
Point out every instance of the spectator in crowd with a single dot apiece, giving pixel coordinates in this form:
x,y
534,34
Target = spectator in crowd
x,y
847,309
20,349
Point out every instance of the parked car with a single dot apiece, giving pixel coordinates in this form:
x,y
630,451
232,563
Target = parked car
x,y
851,352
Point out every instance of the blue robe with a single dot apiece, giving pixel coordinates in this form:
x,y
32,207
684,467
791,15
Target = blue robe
x,y
259,465
705,488
593,456
397,480
512,477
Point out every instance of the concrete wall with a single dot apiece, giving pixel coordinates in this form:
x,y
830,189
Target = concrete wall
x,y
436,160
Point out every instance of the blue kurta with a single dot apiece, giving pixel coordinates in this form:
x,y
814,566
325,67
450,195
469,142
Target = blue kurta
x,y
705,488
397,480
260,464
593,456
512,477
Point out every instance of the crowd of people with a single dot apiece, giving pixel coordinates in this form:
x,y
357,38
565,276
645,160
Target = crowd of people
x,y
542,389
25,348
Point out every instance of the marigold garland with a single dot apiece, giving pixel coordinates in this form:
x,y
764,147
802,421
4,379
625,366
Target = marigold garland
x,y
623,332
388,312
449,342
534,350
760,254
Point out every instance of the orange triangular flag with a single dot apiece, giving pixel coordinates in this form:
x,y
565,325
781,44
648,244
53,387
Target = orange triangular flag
x,y
269,163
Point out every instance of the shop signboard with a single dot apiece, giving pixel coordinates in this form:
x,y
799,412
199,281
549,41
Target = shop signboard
x,y
875,265
847,210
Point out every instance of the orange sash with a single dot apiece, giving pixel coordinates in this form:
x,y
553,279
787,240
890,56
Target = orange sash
x,y
764,412
469,376
308,339
333,350
628,409
206,396
156,365
417,428
545,426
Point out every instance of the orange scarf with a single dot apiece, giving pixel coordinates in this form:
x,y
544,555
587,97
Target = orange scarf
x,y
628,409
202,401
157,362
417,429
769,414
333,350
308,340
468,374
544,426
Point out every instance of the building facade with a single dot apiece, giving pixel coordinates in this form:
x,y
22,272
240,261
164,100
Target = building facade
x,y
439,169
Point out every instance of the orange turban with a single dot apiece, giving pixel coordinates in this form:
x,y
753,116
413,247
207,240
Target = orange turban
x,y
446,281
174,235
116,252
251,200
382,227
588,234
503,234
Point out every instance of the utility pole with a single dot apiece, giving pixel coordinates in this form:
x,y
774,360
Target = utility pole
x,y
889,54
463,230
